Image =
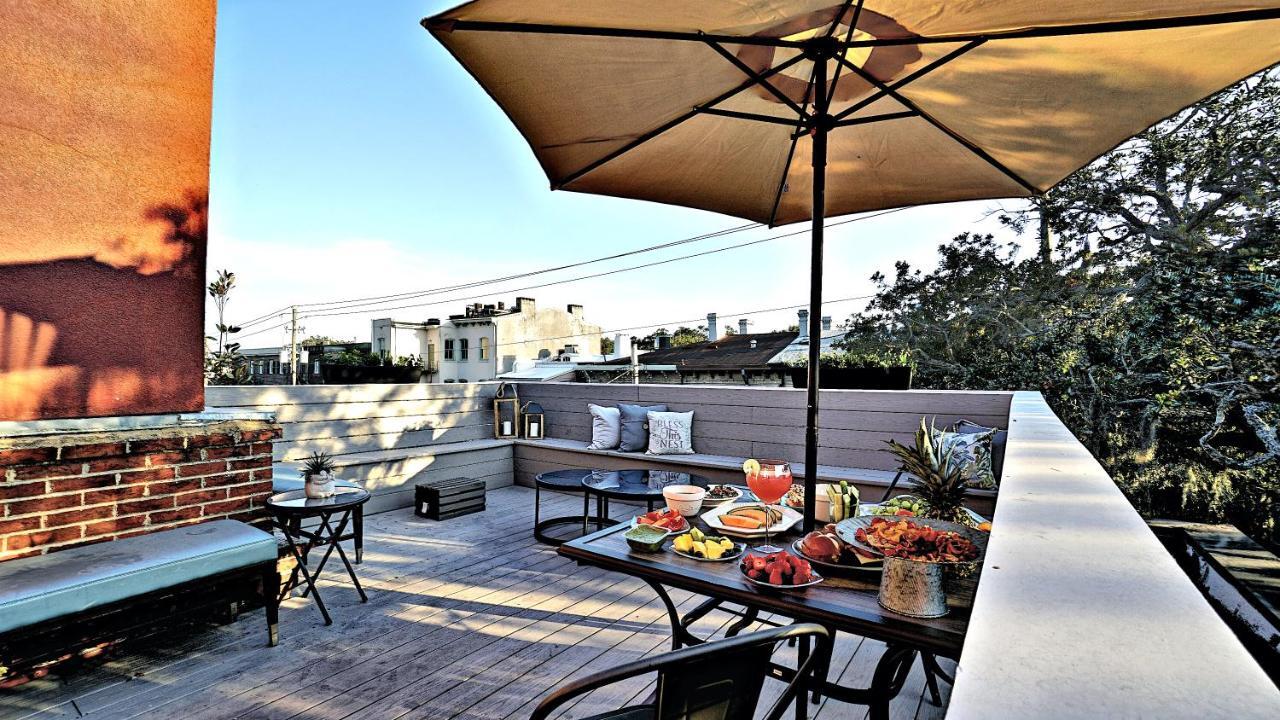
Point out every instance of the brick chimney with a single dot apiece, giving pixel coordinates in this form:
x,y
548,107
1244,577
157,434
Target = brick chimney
x,y
526,305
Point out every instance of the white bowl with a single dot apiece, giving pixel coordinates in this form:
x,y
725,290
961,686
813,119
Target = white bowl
x,y
821,505
684,499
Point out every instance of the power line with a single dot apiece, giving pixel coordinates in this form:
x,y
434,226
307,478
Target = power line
x,y
605,273
378,299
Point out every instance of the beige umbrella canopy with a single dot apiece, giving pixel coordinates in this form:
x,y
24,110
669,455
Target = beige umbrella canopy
x,y
785,110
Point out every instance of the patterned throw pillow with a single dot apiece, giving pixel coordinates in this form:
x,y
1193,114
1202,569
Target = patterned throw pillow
x,y
671,433
973,452
606,427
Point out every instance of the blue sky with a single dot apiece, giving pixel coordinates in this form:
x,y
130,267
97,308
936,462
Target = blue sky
x,y
351,156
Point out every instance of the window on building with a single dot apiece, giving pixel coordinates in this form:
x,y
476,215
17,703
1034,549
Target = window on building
x,y
484,348
448,349
463,348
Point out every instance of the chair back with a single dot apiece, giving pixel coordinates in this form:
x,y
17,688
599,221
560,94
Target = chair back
x,y
714,687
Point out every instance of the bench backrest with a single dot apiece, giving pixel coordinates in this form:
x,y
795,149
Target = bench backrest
x,y
343,419
769,422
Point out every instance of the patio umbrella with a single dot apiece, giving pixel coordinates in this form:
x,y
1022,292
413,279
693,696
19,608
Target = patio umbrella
x,y
782,111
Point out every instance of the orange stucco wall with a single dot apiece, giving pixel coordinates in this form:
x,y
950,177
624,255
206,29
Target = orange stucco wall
x,y
104,172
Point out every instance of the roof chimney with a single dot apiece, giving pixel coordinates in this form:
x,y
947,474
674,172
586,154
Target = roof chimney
x,y
662,341
826,323
575,310
713,330
803,315
742,326
621,346
526,304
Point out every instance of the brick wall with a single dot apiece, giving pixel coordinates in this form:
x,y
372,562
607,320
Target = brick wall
x,y
62,490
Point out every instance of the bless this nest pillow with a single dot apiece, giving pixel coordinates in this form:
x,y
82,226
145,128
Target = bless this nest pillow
x,y
670,433
606,427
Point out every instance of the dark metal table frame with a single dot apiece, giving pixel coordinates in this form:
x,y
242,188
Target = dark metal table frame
x,y
288,520
904,637
542,525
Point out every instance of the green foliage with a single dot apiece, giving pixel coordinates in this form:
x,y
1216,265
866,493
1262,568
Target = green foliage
x,y
1149,318
224,365
317,463
939,478
868,358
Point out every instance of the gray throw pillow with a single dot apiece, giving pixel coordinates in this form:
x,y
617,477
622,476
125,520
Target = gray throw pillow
x,y
635,426
998,441
606,427
671,433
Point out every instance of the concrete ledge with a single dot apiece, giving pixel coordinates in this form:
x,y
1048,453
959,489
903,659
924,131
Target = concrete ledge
x,y
1081,612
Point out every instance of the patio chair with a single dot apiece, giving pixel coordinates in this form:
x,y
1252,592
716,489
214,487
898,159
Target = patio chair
x,y
720,679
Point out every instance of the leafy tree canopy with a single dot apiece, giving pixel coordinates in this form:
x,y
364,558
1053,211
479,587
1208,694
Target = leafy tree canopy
x,y
1149,317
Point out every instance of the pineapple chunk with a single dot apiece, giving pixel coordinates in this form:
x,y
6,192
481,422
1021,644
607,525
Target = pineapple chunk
x,y
714,551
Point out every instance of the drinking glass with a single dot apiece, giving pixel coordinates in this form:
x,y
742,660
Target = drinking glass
x,y
769,485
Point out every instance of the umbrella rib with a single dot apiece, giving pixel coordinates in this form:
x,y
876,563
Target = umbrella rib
x,y
882,90
448,25
853,27
762,82
968,144
1097,28
791,150
675,121
745,115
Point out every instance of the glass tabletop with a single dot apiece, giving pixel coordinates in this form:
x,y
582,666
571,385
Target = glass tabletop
x,y
569,479
644,484
296,501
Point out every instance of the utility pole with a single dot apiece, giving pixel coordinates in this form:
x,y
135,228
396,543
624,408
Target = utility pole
x,y
293,345
635,363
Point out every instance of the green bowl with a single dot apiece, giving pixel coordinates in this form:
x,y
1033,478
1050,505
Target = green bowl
x,y
645,538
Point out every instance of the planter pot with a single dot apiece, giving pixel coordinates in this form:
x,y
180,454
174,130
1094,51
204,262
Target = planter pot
x,y
868,378
319,486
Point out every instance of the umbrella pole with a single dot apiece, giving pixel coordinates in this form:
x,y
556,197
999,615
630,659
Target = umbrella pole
x,y
820,128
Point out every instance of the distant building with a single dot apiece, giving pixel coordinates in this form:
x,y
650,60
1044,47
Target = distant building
x,y
487,340
742,358
798,350
270,365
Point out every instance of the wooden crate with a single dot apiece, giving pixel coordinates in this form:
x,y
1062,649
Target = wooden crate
x,y
446,499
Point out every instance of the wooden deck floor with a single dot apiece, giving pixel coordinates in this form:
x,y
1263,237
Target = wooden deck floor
x,y
468,618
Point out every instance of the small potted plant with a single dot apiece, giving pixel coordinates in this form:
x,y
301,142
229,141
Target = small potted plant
x,y
317,472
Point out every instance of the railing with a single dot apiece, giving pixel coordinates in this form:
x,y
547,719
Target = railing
x,y
1080,611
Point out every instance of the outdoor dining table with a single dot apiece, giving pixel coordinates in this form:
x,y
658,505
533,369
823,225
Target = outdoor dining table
x,y
843,603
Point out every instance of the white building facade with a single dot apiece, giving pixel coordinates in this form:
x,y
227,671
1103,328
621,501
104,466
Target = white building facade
x,y
487,340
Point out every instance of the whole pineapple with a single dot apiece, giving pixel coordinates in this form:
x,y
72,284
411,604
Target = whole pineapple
x,y
939,478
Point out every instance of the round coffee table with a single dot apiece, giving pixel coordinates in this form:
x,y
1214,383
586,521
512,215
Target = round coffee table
x,y
634,485
289,510
565,481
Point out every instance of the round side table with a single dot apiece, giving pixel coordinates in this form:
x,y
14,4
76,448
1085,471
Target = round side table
x,y
290,509
633,485
564,481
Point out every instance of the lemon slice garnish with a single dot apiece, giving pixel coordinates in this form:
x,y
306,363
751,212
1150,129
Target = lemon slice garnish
x,y
751,467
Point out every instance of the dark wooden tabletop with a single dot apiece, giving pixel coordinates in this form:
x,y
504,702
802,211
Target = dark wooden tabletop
x,y
846,602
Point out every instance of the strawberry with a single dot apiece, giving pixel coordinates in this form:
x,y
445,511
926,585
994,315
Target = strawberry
x,y
758,563
775,576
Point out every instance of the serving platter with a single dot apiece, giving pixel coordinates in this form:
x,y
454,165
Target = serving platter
x,y
738,550
770,586
836,568
712,517
847,531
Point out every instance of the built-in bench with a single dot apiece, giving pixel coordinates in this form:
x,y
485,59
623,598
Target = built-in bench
x,y
732,423
386,438
73,598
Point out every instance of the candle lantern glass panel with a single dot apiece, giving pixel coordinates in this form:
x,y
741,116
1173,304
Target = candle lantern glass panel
x,y
506,413
535,422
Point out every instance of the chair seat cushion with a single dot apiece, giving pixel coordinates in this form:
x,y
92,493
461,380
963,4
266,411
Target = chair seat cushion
x,y
43,587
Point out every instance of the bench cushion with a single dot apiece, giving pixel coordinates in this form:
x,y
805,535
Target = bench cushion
x,y
43,587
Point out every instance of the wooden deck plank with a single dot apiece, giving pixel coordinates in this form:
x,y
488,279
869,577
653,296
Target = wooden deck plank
x,y
469,619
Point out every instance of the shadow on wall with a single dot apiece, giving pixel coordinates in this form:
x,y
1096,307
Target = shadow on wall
x,y
116,333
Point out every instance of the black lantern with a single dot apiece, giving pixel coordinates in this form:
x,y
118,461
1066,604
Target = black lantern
x,y
535,421
506,413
